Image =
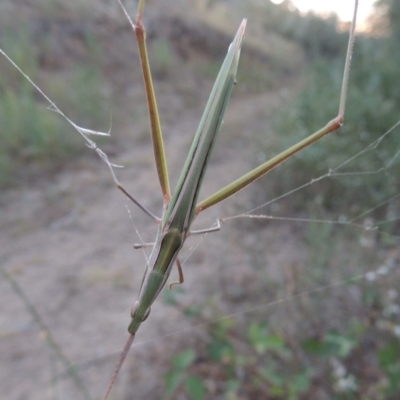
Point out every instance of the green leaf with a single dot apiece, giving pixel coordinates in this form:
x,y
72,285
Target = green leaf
x,y
232,386
277,391
220,329
195,388
318,348
301,382
172,380
332,344
217,350
344,344
183,360
193,311
393,376
261,342
273,377
169,296
389,354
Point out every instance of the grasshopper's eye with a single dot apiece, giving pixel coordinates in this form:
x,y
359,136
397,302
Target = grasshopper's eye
x,y
134,308
146,315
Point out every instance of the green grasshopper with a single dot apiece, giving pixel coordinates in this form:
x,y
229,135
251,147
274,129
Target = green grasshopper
x,y
181,208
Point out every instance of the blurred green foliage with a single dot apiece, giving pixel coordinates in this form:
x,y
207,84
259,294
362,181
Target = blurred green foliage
x,y
256,359
335,334
372,109
34,139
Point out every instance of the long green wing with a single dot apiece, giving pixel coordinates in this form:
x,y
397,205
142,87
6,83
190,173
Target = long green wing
x,y
181,209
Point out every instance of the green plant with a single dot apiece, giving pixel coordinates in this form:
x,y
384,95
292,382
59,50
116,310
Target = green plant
x,y
264,365
31,136
179,376
35,139
372,110
260,362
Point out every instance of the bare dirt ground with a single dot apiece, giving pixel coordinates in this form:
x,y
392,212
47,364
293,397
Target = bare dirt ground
x,y
68,240
68,243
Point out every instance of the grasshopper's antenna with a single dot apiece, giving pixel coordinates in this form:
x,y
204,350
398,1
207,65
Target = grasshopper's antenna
x,y
346,73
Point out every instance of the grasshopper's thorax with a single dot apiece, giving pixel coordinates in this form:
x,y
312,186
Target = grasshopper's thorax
x,y
162,258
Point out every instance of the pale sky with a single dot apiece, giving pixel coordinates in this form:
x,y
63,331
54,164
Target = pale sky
x,y
344,8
